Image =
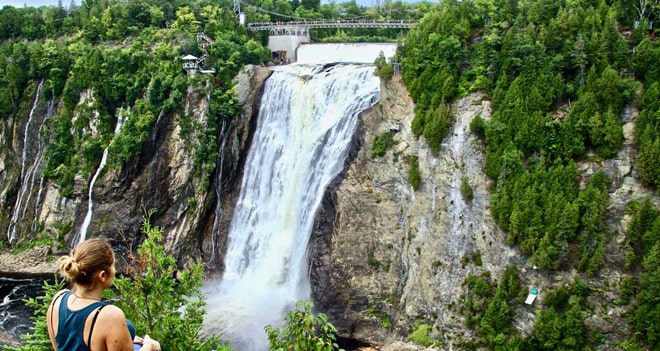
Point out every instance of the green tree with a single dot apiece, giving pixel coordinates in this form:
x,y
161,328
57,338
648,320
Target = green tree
x,y
497,318
384,70
186,20
643,238
648,309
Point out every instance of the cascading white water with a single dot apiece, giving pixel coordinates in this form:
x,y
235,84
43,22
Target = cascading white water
x,y
458,210
11,230
40,158
218,190
307,120
35,167
121,117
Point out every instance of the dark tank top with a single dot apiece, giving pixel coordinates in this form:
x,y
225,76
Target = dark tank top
x,y
71,324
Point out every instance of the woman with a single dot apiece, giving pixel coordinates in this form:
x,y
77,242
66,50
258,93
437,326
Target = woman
x,y
77,319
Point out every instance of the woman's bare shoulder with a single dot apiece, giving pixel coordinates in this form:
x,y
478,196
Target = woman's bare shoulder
x,y
112,313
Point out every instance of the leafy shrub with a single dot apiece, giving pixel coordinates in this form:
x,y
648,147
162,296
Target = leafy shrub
x,y
382,142
626,290
466,189
632,345
386,72
478,126
437,126
476,258
421,335
413,172
303,331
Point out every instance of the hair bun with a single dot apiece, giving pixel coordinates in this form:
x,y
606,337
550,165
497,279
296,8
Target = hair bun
x,y
86,259
69,268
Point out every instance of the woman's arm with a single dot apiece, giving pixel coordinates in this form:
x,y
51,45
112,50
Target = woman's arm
x,y
150,344
111,331
146,343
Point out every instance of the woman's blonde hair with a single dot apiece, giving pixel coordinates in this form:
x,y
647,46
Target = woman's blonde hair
x,y
85,260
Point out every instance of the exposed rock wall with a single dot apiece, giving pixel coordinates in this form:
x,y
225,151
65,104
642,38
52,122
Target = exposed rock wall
x,y
395,256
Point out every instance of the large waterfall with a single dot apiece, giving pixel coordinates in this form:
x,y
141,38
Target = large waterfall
x,y
306,122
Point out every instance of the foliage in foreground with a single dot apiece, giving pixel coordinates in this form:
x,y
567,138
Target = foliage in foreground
x,y
303,331
169,310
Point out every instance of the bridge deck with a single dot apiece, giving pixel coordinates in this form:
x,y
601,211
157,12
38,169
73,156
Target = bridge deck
x,y
268,26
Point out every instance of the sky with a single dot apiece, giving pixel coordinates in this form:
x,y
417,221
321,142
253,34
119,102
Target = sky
x,y
37,3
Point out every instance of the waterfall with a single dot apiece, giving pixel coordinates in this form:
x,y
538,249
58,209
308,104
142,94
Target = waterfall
x,y
121,117
218,189
11,230
459,210
40,158
307,119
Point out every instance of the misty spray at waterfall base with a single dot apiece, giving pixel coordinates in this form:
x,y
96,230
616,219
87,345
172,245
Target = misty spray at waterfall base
x,y
307,119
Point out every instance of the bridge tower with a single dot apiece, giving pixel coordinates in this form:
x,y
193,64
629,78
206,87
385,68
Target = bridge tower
x,y
237,12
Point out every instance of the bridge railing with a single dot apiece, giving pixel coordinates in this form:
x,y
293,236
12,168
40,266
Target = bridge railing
x,y
268,26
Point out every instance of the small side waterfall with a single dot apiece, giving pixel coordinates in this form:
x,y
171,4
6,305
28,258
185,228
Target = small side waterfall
x,y
40,158
459,210
25,183
218,189
307,120
121,117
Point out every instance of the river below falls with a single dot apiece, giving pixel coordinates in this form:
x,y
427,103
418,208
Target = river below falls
x,y
14,314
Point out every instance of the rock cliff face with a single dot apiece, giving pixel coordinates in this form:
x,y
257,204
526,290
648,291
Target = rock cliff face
x,y
162,179
383,255
386,256
397,255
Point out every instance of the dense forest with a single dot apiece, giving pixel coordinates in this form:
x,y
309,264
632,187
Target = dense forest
x,y
559,74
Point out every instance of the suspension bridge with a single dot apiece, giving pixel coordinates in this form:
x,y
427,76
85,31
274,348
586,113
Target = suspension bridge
x,y
284,37
279,27
297,24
